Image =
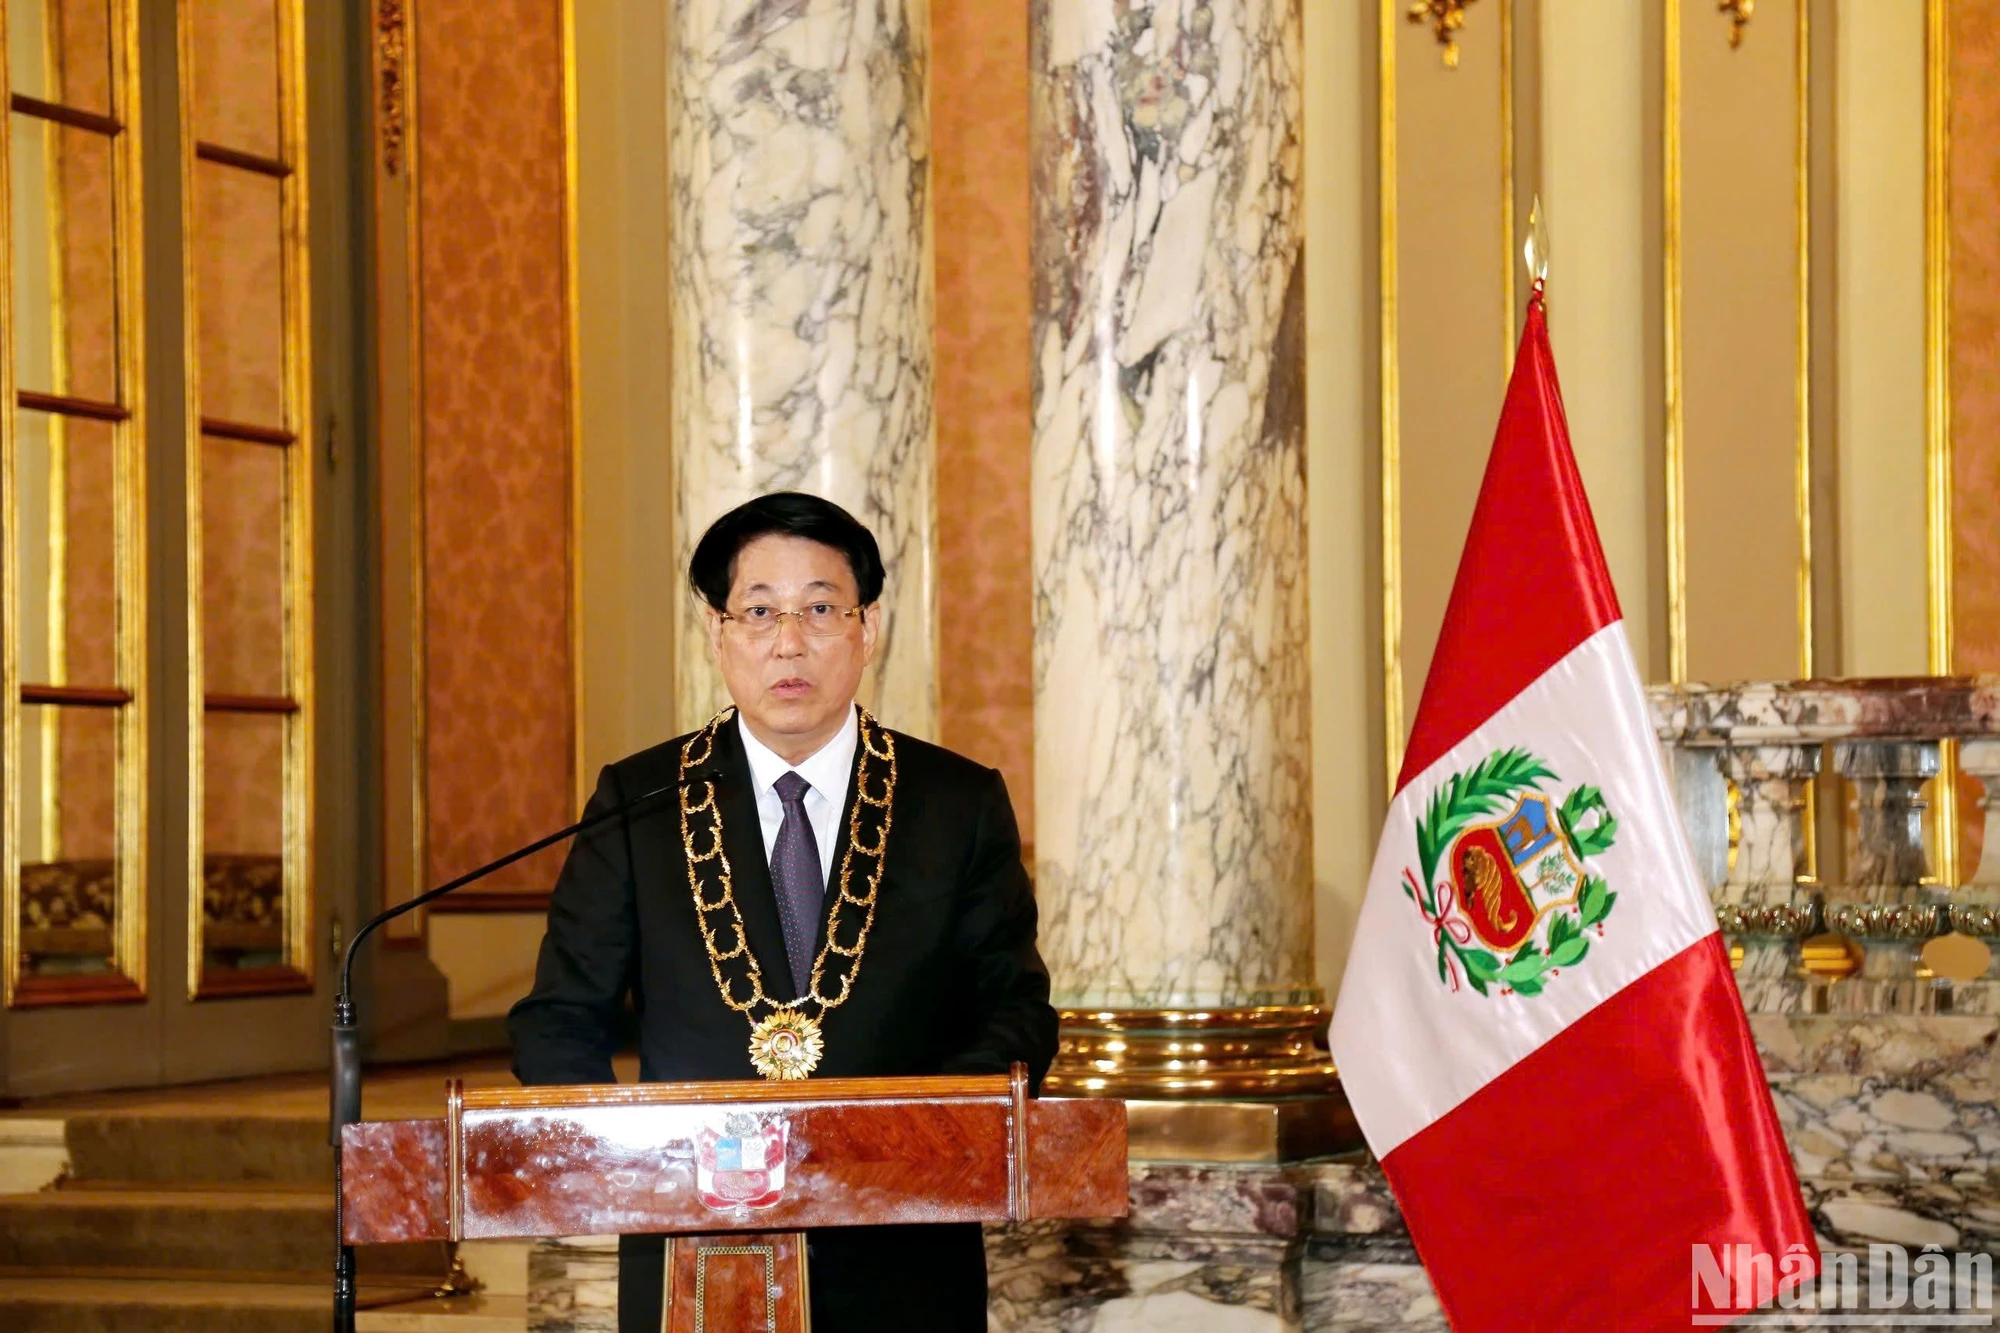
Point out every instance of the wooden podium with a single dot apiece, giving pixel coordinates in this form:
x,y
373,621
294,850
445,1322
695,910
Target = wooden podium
x,y
733,1172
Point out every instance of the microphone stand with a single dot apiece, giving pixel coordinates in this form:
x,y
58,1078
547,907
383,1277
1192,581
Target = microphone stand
x,y
344,1075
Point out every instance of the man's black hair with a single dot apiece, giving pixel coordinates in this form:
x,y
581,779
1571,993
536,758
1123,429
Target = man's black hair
x,y
712,567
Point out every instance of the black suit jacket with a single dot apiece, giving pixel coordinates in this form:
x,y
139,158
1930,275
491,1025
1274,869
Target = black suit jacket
x,y
951,982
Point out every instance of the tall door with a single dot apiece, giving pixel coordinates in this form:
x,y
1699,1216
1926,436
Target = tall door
x,y
183,614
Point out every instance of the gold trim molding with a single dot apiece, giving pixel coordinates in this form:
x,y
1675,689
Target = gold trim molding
x,y
1509,290
1940,537
580,777
391,42
128,979
1803,397
1390,406
1674,439
295,971
1937,332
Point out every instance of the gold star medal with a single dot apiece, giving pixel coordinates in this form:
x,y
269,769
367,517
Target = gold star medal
x,y
786,1045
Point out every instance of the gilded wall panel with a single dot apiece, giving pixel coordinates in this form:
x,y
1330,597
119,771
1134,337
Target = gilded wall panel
x,y
1880,343
499,712
87,762
1975,330
979,140
1450,308
243,568
235,49
1740,350
239,272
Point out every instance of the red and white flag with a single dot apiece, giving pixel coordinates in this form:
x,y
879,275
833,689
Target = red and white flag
x,y
1538,1028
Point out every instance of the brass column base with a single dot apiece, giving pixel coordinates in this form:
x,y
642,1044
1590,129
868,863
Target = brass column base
x,y
1175,1054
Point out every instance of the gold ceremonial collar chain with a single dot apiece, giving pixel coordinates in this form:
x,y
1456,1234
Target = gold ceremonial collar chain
x,y
787,1043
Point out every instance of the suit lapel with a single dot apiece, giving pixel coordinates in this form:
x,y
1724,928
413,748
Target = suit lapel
x,y
743,843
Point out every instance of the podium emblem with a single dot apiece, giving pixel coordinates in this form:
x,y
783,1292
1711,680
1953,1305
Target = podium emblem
x,y
740,1162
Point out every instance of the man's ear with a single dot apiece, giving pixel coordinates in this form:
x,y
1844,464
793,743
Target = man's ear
x,y
871,629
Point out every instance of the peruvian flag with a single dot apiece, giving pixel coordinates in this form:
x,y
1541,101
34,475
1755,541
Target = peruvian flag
x,y
1538,1029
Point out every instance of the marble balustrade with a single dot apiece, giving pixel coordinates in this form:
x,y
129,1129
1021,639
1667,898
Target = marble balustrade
x,y
1746,759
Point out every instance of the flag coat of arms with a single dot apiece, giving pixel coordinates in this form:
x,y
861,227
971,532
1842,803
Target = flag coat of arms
x,y
1538,1029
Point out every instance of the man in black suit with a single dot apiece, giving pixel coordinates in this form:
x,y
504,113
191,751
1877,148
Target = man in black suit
x,y
938,975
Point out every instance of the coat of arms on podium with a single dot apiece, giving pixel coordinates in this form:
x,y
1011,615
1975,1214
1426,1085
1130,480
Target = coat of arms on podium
x,y
740,1163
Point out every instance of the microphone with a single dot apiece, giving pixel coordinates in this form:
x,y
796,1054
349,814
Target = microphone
x,y
344,1074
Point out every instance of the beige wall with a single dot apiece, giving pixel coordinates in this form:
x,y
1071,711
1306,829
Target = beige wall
x,y
1739,347
631,588
1598,190
488,959
1451,312
1879,143
1344,532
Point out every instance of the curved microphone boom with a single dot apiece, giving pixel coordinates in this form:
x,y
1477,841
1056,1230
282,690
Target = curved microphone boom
x,y
344,1074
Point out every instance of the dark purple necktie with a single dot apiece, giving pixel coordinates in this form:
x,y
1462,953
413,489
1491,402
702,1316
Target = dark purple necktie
x,y
795,874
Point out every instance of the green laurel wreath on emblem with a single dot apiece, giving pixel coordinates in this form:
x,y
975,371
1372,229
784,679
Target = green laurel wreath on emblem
x,y
1588,826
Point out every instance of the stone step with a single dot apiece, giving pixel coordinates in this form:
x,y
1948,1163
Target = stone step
x,y
198,1149
191,1230
97,1303
33,1153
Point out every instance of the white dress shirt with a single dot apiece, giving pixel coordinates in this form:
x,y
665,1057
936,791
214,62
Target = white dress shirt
x,y
826,772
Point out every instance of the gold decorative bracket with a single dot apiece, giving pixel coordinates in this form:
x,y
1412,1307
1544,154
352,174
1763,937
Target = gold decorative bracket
x,y
1445,18
1739,12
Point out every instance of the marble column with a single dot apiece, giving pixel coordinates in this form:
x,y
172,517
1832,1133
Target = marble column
x,y
800,282
1172,763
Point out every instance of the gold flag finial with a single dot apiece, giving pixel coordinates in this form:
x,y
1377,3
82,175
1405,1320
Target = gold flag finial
x,y
1536,248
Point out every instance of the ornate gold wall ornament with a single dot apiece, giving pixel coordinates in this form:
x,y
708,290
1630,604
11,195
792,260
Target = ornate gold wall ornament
x,y
1739,12
1445,18
389,36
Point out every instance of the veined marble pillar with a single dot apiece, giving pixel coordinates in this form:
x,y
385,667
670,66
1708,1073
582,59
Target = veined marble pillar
x,y
1172,763
801,289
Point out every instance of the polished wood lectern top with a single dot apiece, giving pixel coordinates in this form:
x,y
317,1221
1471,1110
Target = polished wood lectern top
x,y
732,1171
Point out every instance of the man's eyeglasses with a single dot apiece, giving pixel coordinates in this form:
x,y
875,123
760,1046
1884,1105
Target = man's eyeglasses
x,y
821,619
